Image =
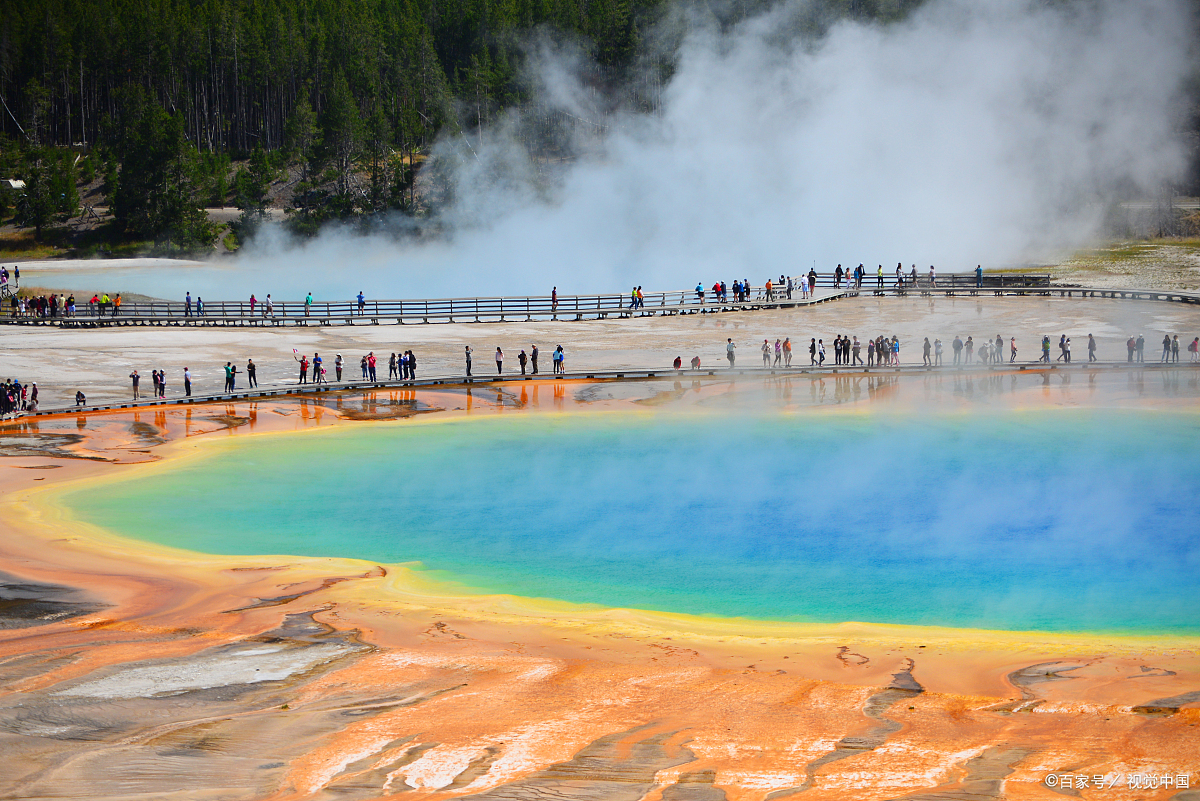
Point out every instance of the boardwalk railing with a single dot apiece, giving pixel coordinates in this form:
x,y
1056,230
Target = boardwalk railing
x,y
568,307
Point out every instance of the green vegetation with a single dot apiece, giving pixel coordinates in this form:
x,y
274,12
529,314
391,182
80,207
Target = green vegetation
x,y
163,107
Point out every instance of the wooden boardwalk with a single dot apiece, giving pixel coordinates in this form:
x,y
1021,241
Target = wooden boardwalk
x,y
542,307
827,371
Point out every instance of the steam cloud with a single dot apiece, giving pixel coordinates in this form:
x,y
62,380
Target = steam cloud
x,y
971,133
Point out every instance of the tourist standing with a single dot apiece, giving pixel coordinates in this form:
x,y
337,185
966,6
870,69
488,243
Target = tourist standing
x,y
957,346
135,378
308,301
562,359
998,350
468,353
553,305
412,365
533,353
778,352
253,301
251,374
522,358
499,360
729,348
371,365
1166,354
766,353
362,302
304,369
392,372
187,382
937,352
787,352
926,351
1140,347
1175,348
1194,349
337,361
187,305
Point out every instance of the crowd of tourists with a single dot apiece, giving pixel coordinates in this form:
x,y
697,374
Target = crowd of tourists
x,y
884,351
16,397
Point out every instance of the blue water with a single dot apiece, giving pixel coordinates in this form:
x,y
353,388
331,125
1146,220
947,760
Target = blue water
x,y
1056,520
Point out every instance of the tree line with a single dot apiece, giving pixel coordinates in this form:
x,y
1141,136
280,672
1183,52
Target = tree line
x,y
160,96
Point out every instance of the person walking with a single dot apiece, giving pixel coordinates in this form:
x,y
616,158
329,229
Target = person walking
x,y
1194,349
187,382
533,353
199,306
251,374
187,305
1091,348
855,352
317,370
812,352
926,351
1012,349
729,348
820,353
253,301
499,360
1062,348
135,378
521,360
787,352
468,355
268,306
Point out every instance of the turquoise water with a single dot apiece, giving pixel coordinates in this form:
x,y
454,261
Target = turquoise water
x,y
1042,520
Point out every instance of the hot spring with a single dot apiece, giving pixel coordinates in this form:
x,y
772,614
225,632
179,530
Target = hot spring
x,y
1053,519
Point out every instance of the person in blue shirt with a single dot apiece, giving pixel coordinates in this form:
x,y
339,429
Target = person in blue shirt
x,y
362,302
